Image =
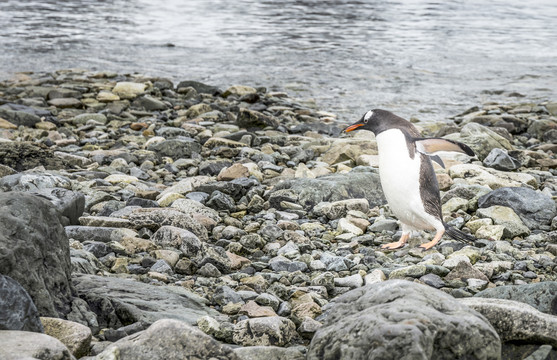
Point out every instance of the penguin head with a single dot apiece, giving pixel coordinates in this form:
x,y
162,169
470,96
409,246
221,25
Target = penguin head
x,y
370,121
378,120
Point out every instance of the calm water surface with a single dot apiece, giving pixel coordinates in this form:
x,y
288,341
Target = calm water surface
x,y
417,58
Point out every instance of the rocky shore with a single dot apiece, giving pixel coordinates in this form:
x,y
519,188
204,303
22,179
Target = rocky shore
x,y
142,219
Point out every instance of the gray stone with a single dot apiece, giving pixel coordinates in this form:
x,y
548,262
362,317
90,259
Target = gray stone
x,y
198,87
192,207
149,103
481,139
209,270
34,182
91,233
516,321
501,160
224,295
534,208
542,296
17,310
505,216
387,319
269,353
433,280
34,251
175,238
266,331
19,116
161,266
384,225
182,148
360,183
168,339
251,119
70,204
25,345
82,119
153,218
221,201
118,302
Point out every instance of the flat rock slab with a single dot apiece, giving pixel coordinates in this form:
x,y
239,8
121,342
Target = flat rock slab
x,y
168,339
400,319
542,296
118,302
514,320
361,183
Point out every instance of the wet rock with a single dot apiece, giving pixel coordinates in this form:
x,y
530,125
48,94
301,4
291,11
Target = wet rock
x,y
119,302
168,339
17,310
34,251
31,345
534,208
357,325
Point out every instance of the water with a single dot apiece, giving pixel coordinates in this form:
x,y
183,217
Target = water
x,y
416,58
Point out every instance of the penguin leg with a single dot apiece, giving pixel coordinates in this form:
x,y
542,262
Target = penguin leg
x,y
398,244
435,240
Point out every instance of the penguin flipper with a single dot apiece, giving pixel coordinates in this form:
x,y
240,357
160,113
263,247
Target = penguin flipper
x,y
432,145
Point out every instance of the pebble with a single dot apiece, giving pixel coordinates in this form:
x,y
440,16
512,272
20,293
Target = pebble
x,y
214,192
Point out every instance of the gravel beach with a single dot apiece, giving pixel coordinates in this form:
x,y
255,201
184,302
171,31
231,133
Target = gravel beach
x,y
146,219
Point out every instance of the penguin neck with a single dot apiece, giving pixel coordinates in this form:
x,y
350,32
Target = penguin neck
x,y
393,145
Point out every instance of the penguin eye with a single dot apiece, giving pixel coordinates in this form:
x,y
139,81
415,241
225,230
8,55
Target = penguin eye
x,y
365,121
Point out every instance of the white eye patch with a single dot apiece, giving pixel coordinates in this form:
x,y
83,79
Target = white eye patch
x,y
368,115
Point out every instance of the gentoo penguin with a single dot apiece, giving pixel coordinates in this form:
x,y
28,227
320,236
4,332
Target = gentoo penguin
x,y
407,176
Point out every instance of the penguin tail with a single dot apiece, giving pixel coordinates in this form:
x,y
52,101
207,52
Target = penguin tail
x,y
459,235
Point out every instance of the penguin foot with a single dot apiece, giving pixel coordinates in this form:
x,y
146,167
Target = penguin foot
x,y
427,245
393,245
432,243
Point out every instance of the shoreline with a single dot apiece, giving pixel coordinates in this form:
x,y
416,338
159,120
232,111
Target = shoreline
x,y
241,212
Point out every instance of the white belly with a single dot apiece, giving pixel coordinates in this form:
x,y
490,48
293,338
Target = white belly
x,y
400,181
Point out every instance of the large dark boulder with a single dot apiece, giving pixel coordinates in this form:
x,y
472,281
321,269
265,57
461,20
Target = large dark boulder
x,y
34,251
534,208
361,183
17,310
399,319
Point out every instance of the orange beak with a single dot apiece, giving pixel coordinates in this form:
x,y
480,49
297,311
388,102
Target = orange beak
x,y
353,127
